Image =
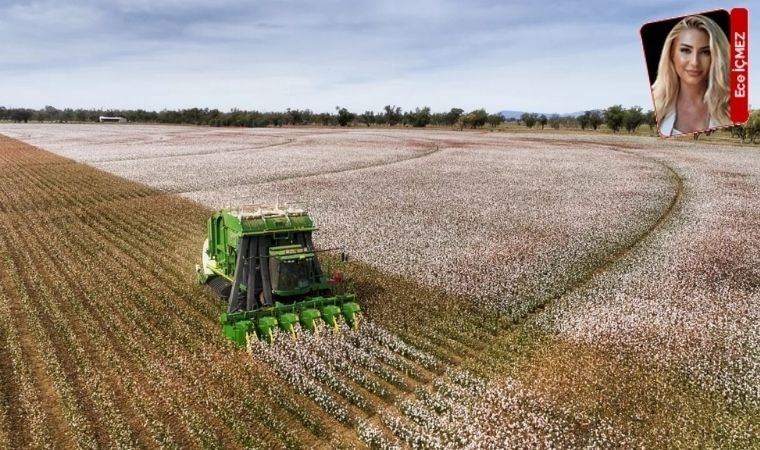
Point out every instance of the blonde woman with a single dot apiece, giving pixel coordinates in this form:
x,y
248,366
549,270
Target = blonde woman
x,y
691,92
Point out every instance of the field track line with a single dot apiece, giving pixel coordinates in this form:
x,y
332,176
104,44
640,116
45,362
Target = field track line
x,y
435,148
434,145
621,252
187,155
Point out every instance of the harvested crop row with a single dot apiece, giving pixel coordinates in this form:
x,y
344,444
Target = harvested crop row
x,y
26,420
116,354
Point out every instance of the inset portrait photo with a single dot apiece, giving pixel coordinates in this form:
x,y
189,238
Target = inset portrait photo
x,y
688,61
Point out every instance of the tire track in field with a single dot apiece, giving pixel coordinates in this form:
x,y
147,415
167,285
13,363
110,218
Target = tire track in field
x,y
627,249
193,154
611,259
434,148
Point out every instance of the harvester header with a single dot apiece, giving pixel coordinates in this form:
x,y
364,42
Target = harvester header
x,y
262,261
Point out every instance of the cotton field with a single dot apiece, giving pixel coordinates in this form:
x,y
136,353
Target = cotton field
x,y
520,290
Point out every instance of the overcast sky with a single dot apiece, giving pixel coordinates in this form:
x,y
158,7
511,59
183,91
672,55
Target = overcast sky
x,y
543,56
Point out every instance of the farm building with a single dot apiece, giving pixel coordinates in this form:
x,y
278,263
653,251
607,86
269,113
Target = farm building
x,y
112,119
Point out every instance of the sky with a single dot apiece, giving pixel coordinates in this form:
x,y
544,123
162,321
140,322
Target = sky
x,y
540,56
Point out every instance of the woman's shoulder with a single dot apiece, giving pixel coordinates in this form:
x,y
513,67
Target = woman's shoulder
x,y
714,123
667,123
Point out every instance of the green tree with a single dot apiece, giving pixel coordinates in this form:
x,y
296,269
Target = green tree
x,y
495,120
52,114
650,119
325,119
476,118
420,117
529,119
614,117
584,120
554,121
368,118
632,118
393,115
20,115
542,120
452,117
295,117
752,127
738,131
344,116
595,119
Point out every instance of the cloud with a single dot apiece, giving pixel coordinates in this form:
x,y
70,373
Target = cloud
x,y
298,53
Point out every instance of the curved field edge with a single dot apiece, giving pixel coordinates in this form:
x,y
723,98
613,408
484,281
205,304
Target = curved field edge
x,y
649,402
386,296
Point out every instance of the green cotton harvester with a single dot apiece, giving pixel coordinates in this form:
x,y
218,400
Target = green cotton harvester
x,y
262,261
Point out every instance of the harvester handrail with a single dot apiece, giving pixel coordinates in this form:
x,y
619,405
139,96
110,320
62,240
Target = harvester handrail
x,y
248,258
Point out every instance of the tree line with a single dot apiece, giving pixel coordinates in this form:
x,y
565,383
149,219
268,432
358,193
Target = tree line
x,y
390,115
616,118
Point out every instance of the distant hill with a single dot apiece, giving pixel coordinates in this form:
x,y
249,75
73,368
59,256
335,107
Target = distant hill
x,y
516,114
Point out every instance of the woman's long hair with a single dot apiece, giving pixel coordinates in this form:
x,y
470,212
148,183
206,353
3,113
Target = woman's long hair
x,y
666,86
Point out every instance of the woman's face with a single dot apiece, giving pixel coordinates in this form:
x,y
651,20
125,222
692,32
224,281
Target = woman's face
x,y
691,56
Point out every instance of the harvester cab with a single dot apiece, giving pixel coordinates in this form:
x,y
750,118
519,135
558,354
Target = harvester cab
x,y
291,270
262,261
